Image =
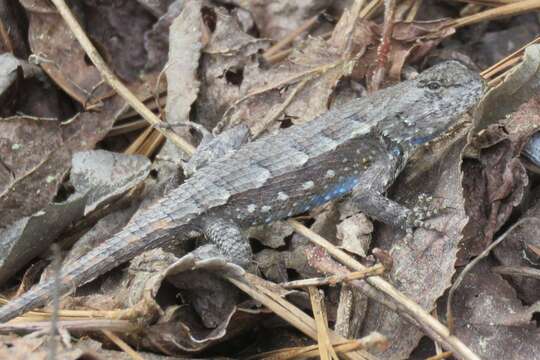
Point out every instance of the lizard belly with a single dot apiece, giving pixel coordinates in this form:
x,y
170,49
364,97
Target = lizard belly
x,y
322,179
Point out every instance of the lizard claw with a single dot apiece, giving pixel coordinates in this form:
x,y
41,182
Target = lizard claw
x,y
423,210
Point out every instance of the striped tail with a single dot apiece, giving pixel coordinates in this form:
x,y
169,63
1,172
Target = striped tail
x,y
122,247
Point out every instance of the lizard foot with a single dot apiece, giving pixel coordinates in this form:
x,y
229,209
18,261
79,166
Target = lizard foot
x,y
423,210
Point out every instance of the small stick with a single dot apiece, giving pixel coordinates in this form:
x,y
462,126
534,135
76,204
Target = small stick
x,y
515,8
374,339
273,114
127,128
370,9
333,280
413,10
278,56
122,345
57,265
508,61
443,355
517,271
384,47
287,40
124,326
326,351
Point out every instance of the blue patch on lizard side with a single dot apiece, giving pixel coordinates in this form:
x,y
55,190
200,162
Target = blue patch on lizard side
x,y
422,139
334,192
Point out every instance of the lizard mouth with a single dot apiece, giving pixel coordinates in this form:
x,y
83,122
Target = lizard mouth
x,y
448,133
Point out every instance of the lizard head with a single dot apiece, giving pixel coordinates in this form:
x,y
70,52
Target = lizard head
x,y
430,104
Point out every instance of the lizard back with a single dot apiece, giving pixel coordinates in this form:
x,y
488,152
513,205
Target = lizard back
x,y
281,175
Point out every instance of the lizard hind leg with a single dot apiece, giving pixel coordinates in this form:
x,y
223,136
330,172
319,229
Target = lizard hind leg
x,y
228,238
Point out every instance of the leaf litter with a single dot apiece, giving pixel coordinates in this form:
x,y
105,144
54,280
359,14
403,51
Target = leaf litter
x,y
220,74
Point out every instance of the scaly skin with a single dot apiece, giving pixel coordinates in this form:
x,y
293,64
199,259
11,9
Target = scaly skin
x,y
363,144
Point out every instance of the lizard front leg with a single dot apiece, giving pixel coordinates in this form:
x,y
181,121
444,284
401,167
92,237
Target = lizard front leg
x,y
381,208
225,234
212,147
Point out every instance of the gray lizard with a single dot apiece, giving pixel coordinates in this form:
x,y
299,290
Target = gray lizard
x,y
356,148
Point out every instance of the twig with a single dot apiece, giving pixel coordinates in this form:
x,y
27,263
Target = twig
x,y
29,117
491,3
122,345
508,61
274,113
277,57
153,141
71,325
304,352
157,92
407,305
112,80
470,266
384,47
326,351
127,128
517,271
438,347
135,145
377,269
413,10
498,12
57,265
370,9
287,40
443,355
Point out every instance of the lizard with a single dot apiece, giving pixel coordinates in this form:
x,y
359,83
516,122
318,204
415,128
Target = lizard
x,y
358,148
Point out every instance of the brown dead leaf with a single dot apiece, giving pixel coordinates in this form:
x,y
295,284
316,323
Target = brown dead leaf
x,y
495,181
411,41
491,320
225,68
191,307
117,28
34,161
495,178
212,315
297,90
36,155
12,30
272,235
355,234
60,55
512,252
156,40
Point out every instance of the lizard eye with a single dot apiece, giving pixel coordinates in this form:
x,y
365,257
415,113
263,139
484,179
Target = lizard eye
x,y
433,85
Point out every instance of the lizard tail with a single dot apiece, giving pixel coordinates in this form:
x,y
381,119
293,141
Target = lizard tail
x,y
123,246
